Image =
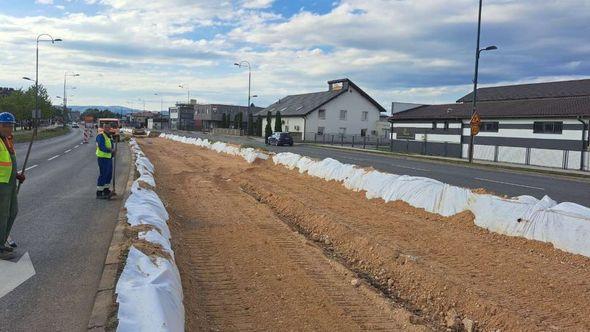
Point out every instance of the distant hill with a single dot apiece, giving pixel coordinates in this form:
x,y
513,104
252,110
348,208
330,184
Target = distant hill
x,y
116,109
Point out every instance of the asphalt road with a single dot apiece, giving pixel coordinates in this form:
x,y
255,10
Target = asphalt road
x,y
498,180
66,232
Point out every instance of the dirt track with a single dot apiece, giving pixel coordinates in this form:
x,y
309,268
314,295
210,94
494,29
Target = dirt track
x,y
244,269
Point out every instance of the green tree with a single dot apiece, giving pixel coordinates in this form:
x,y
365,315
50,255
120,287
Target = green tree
x,y
223,120
267,128
278,122
259,126
251,124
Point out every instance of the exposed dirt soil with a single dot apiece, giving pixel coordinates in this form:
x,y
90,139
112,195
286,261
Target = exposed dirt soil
x,y
243,268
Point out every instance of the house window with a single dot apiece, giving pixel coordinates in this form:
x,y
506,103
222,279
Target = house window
x,y
320,130
433,124
287,129
363,132
322,114
296,128
365,116
547,127
342,131
343,114
489,126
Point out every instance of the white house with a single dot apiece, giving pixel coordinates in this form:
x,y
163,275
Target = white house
x,y
343,109
542,124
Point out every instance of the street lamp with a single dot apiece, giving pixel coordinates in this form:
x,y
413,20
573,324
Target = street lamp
x,y
240,64
65,95
188,92
478,51
162,107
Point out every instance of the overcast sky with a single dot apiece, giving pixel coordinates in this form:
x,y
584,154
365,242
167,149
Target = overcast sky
x,y
396,50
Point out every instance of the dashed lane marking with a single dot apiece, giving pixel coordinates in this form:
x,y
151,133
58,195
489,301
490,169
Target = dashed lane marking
x,y
53,157
511,184
31,167
67,151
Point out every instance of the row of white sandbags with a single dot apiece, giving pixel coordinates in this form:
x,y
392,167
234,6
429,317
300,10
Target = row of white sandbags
x,y
565,225
249,154
149,290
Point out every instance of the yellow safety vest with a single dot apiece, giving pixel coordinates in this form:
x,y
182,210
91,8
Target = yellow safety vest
x,y
108,144
5,163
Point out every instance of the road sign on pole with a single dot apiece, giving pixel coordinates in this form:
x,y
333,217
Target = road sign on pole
x,y
475,123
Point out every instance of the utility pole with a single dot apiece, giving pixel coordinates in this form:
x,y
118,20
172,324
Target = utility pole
x,y
248,124
474,122
65,95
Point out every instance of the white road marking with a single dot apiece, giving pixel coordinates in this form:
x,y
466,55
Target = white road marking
x,y
13,274
31,167
416,168
53,157
67,151
511,184
75,147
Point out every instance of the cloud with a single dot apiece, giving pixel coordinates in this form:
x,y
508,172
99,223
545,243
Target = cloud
x,y
404,50
44,2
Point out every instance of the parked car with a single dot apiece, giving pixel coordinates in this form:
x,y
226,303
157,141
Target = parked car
x,y
75,125
280,139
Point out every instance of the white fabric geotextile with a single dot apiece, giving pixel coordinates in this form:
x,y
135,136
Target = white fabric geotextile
x,y
149,290
565,225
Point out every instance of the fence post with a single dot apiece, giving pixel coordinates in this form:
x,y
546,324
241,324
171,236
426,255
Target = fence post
x,y
332,139
390,144
353,141
315,137
496,153
341,140
377,148
364,142
323,138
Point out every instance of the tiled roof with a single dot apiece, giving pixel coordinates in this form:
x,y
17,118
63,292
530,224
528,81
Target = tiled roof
x,y
297,105
574,88
551,107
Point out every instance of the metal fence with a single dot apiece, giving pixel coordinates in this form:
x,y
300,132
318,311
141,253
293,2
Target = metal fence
x,y
355,141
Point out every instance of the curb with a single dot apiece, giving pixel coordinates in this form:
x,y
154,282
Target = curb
x,y
104,299
476,164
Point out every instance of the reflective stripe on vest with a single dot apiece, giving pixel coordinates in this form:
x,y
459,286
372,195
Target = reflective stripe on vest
x,y
5,163
108,144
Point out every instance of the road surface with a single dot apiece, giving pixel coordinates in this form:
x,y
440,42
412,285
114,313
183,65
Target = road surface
x,y
66,232
500,181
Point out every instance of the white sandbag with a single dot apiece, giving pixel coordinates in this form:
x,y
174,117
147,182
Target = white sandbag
x,y
304,163
144,207
149,295
154,236
287,159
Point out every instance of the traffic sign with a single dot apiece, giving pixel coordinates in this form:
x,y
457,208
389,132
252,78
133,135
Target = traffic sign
x,y
475,123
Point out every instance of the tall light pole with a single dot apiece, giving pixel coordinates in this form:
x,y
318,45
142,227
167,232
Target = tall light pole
x,y
188,92
474,118
162,106
65,95
240,64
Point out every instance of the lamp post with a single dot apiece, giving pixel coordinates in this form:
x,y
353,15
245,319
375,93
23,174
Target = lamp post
x,y
478,51
188,92
162,106
65,95
240,64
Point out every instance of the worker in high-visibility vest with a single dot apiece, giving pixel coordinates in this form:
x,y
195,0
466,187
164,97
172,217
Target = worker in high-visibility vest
x,y
104,154
8,178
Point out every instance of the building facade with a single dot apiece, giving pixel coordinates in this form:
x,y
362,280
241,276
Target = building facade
x,y
182,116
542,124
210,116
344,109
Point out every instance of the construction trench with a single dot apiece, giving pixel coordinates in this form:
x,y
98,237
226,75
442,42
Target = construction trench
x,y
261,247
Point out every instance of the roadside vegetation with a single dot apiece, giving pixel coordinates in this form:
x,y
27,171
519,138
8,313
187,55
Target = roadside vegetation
x,y
42,133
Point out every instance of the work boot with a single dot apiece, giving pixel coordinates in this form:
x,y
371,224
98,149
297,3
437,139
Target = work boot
x,y
107,193
6,247
11,243
5,253
100,194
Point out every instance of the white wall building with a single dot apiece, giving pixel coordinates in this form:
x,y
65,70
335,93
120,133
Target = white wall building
x,y
542,124
344,109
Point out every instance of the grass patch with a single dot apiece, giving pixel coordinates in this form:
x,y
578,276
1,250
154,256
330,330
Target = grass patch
x,y
25,136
